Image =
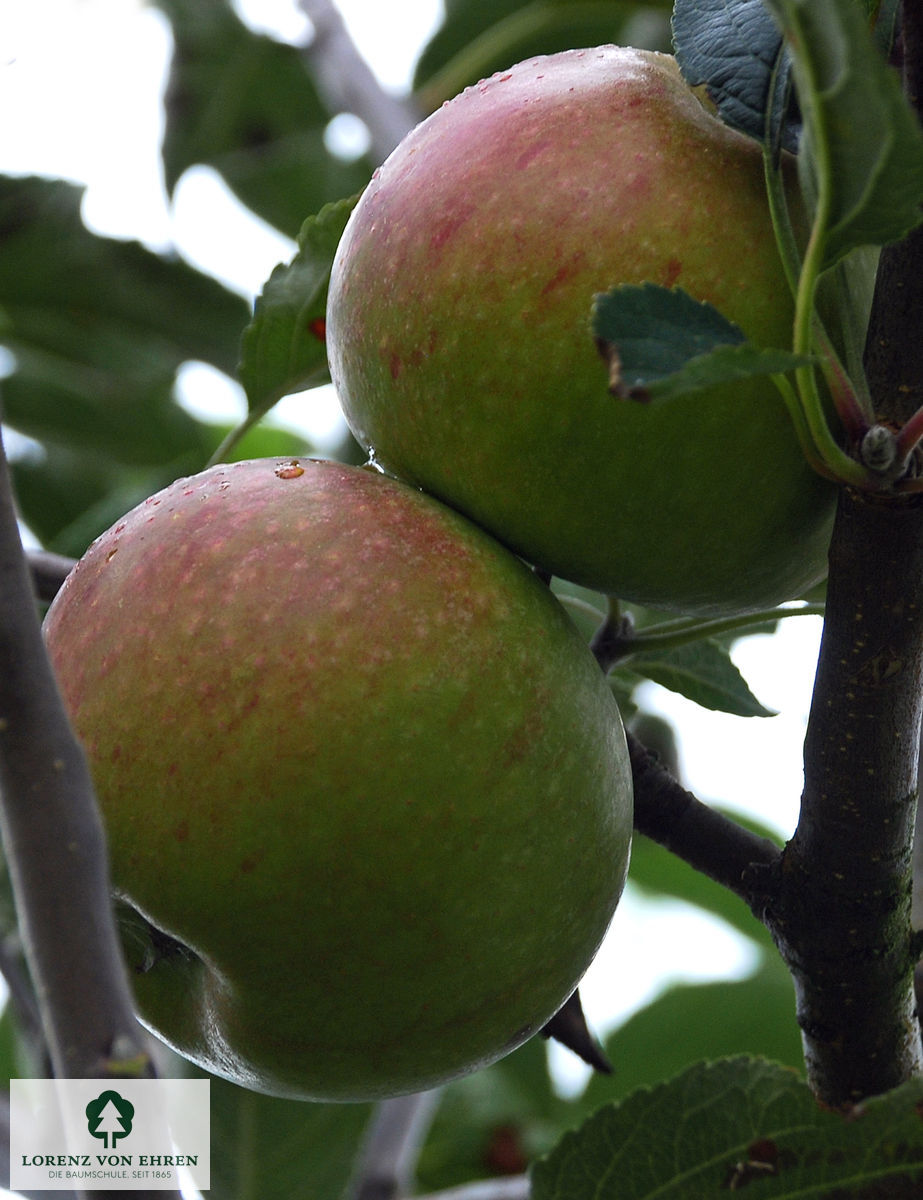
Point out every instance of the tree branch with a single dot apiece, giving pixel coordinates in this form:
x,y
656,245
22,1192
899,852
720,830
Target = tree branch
x,y
709,841
54,844
842,913
841,917
48,572
348,84
392,1146
894,349
514,1187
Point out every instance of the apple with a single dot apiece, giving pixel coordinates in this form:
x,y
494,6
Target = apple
x,y
366,790
460,344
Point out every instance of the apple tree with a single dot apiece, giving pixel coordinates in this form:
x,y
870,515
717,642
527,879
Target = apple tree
x,y
792,278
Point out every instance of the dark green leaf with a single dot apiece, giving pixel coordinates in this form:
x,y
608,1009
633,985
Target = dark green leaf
x,y
272,1149
494,1121
67,498
739,1122
701,671
478,39
54,399
660,343
283,348
103,303
737,52
863,145
245,104
692,1021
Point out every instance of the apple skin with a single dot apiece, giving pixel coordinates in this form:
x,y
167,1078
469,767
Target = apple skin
x,y
366,789
460,346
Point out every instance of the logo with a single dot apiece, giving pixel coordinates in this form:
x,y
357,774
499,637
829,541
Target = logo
x,y
80,1135
109,1117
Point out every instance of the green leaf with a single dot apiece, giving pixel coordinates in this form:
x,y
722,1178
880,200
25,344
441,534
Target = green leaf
x,y
739,1122
478,39
661,343
246,105
283,348
753,1016
862,150
488,1120
88,408
738,53
108,305
703,672
272,1149
68,498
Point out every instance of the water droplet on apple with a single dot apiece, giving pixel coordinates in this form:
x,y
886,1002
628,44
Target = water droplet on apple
x,y
290,470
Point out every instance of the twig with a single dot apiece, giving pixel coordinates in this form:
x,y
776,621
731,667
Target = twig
x,y
348,84
54,844
514,1187
709,841
392,1146
48,572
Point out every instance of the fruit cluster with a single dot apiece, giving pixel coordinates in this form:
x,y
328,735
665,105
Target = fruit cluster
x,y
366,789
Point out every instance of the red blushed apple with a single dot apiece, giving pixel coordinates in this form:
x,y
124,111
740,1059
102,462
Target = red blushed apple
x,y
366,790
460,343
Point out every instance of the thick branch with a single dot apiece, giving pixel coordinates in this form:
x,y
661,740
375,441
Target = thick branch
x,y
894,350
842,913
702,837
54,841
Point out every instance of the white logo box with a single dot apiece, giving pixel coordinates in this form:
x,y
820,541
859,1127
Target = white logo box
x,y
100,1135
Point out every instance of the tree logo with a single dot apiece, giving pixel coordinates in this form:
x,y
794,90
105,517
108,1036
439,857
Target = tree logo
x,y
110,1116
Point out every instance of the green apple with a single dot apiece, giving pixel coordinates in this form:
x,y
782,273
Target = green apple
x,y
460,344
366,789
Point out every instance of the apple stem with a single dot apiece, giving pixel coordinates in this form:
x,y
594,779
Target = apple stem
x,y
611,640
616,639
786,241
802,428
803,273
234,436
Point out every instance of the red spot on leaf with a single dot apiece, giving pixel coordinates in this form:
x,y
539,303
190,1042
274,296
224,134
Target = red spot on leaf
x,y
319,328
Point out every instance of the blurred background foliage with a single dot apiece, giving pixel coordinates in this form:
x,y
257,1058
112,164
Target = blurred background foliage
x,y
95,331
